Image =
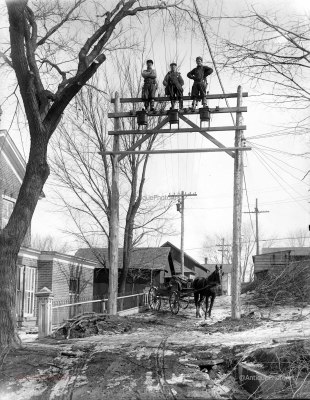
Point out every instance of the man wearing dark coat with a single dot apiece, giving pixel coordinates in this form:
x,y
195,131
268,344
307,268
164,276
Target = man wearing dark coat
x,y
199,89
150,85
173,83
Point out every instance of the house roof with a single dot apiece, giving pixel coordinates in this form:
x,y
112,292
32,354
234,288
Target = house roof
x,y
178,269
151,258
294,251
169,244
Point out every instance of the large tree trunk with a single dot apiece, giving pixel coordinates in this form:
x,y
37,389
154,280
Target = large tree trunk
x,y
13,234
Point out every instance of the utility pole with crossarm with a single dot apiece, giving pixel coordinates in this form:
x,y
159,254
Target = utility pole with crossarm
x,y
256,212
180,207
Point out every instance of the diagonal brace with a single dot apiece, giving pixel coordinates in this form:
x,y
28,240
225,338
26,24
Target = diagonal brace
x,y
207,135
144,137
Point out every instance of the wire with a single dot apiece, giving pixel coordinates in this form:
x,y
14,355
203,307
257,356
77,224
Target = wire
x,y
275,175
212,57
271,157
247,198
273,150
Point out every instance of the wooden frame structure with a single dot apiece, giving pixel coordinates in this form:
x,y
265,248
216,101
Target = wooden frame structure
x,y
235,152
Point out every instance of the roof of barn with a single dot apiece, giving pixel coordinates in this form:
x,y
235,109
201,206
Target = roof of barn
x,y
151,258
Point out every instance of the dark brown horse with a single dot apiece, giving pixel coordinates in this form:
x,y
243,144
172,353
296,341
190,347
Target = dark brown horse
x,y
205,288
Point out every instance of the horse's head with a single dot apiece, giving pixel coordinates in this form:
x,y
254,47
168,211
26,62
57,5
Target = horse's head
x,y
218,274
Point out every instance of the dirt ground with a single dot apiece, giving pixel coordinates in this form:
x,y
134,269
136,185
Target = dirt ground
x,y
157,356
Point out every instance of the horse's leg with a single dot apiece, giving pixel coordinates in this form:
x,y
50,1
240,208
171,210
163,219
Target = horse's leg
x,y
196,296
211,304
207,305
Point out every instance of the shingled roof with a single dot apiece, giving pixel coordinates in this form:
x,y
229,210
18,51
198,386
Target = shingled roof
x,y
152,258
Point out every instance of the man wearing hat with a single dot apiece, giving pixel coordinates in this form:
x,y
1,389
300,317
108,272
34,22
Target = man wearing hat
x,y
150,85
199,89
173,83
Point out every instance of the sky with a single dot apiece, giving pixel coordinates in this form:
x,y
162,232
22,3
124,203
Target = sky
x,y
273,174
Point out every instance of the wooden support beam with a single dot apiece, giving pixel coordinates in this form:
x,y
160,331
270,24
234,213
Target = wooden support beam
x,y
237,215
114,221
180,130
163,99
206,135
145,137
158,113
176,151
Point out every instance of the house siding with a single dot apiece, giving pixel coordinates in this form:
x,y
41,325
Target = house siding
x,y
10,186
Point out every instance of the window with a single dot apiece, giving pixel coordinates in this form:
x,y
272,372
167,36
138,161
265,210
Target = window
x,y
7,208
74,285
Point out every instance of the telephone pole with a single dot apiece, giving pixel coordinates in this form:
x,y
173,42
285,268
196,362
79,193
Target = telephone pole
x,y
222,250
180,207
256,212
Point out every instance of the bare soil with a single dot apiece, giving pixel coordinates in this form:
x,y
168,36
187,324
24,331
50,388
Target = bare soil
x,y
154,355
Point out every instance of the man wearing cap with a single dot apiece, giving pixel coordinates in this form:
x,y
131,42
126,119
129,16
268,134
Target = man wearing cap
x,y
173,83
199,89
150,85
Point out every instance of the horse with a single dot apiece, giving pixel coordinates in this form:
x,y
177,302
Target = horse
x,y
205,288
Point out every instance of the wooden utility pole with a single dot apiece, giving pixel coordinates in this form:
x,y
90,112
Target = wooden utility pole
x,y
114,218
237,213
180,208
234,152
256,212
222,250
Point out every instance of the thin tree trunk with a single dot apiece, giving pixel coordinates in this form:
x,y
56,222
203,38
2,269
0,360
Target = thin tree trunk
x,y
127,253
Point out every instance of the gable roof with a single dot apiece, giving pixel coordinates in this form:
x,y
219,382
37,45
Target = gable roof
x,y
178,269
294,251
151,258
169,244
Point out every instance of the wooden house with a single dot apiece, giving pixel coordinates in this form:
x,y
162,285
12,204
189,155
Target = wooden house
x,y
275,259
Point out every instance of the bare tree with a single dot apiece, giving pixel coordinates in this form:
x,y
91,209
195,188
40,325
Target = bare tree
x,y
212,249
83,172
49,243
298,238
39,38
274,51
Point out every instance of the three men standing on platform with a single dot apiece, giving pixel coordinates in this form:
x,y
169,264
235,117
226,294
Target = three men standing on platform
x,y
173,83
199,89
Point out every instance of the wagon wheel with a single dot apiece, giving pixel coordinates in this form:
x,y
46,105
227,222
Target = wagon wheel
x,y
184,300
154,299
174,302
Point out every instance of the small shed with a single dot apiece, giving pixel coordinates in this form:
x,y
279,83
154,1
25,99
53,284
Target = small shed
x,y
275,259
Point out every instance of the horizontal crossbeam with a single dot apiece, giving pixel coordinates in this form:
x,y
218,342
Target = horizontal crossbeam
x,y
161,99
215,150
180,130
158,113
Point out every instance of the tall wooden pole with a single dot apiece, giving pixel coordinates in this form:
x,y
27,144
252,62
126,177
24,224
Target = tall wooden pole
x,y
182,233
114,219
237,213
256,222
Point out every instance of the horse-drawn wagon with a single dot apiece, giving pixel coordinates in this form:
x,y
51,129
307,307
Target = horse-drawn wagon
x,y
179,290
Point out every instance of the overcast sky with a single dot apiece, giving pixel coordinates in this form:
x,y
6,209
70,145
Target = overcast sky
x,y
273,173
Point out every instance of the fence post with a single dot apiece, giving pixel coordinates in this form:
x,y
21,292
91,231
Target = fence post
x,y
45,303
